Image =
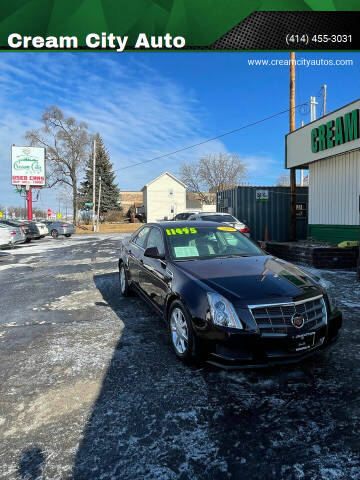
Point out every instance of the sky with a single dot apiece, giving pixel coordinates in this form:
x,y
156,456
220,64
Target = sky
x,y
148,104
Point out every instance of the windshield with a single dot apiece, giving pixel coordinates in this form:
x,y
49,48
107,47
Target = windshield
x,y
219,218
209,242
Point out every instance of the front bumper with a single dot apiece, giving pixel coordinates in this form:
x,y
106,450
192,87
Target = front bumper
x,y
252,350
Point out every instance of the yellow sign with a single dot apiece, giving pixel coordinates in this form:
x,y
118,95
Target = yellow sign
x,y
180,231
227,229
59,215
348,243
1,214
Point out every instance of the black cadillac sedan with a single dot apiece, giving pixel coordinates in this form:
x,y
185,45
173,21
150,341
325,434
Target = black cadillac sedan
x,y
224,298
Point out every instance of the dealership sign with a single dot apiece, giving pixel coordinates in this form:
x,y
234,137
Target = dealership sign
x,y
330,135
28,166
335,132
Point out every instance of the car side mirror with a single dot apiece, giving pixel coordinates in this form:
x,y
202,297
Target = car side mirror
x,y
153,252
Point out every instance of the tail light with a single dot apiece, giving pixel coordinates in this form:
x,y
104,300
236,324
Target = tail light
x,y
13,233
245,230
63,226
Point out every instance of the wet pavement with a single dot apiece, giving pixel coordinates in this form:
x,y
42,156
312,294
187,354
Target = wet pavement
x,y
91,390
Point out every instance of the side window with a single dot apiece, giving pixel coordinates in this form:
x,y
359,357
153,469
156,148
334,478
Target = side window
x,y
140,238
155,239
192,217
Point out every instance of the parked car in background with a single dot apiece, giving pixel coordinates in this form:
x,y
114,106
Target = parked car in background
x,y
34,230
9,236
184,215
23,227
42,229
60,228
5,236
220,217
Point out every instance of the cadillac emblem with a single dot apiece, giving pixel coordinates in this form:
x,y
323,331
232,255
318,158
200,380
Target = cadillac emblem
x,y
297,320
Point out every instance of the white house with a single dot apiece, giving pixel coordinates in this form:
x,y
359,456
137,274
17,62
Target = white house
x,y
164,197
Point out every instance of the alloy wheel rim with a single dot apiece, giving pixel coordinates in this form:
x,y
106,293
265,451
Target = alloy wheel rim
x,y
179,330
122,280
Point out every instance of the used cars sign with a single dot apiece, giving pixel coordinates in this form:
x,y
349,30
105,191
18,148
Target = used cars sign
x,y
28,166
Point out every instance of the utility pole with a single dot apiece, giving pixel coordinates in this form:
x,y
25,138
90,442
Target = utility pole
x,y
93,206
302,171
313,104
98,209
292,170
324,99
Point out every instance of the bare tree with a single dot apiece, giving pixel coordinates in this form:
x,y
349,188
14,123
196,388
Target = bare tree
x,y
212,173
20,212
283,180
67,143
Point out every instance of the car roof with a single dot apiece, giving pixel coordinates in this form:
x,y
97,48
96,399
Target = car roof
x,y
213,213
183,224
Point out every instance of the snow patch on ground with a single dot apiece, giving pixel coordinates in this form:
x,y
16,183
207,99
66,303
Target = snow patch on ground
x,y
81,276
91,354
76,300
11,265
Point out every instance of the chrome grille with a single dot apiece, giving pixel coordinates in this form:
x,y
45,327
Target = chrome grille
x,y
276,318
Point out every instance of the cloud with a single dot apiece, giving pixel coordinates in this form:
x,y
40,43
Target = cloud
x,y
263,169
138,110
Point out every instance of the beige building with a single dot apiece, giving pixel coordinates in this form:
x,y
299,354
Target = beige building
x,y
164,197
130,198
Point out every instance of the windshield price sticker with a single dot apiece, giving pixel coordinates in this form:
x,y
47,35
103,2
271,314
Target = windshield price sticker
x,y
181,231
227,229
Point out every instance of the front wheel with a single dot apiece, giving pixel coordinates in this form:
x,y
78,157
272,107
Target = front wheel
x,y
124,284
54,233
182,336
68,235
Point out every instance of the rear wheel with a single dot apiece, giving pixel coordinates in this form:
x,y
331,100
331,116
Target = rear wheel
x,y
28,240
181,332
67,234
54,233
124,284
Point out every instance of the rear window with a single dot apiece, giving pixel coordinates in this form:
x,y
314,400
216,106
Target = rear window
x,y
218,218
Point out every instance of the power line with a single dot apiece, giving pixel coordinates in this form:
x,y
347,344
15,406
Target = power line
x,y
211,139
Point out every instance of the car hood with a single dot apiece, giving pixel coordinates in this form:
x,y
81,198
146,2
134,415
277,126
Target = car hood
x,y
252,280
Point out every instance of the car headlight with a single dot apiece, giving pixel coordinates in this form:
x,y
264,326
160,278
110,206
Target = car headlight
x,y
330,296
332,301
222,311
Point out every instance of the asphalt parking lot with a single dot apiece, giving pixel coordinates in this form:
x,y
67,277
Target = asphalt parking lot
x,y
91,390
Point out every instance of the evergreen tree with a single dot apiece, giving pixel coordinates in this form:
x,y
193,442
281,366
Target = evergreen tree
x,y
109,189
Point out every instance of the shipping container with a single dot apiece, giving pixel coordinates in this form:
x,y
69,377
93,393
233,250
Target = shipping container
x,y
268,208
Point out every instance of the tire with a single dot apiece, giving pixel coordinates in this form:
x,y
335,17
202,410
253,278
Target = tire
x,y
123,281
54,233
67,235
184,347
28,240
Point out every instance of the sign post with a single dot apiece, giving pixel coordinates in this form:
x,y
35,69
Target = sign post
x,y
29,204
